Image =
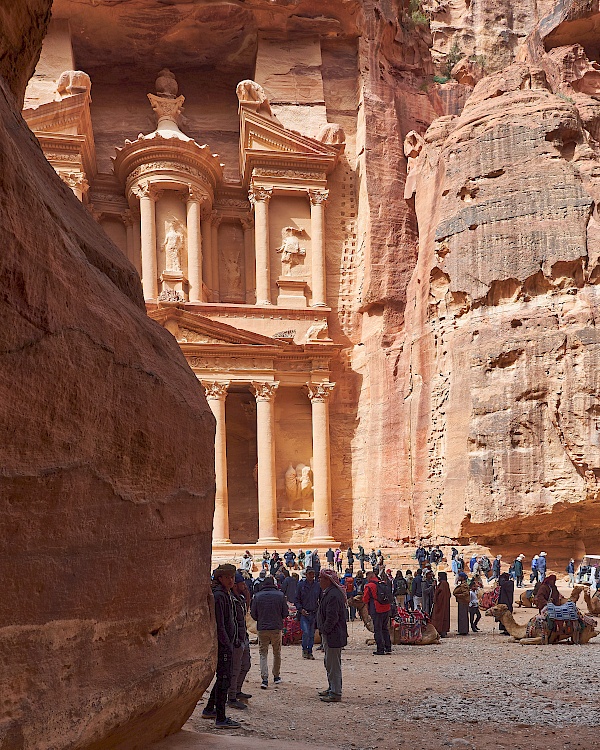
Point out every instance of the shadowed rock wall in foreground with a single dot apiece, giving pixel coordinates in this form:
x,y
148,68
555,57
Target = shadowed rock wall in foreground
x,y
106,469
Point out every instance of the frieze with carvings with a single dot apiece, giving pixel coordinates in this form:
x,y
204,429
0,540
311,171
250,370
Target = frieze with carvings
x,y
55,156
193,337
172,166
229,364
292,173
232,203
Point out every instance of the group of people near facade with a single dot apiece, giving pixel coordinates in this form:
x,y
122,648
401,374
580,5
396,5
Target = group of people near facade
x,y
322,599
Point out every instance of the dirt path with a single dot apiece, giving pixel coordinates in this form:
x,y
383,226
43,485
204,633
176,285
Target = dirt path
x,y
480,691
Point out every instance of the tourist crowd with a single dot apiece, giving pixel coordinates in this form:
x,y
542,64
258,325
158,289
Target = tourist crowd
x,y
298,590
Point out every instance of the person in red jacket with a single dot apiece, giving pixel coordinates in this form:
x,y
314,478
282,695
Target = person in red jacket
x,y
380,614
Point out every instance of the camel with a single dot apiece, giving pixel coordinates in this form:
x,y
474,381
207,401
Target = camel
x,y
429,636
252,631
525,601
593,602
519,632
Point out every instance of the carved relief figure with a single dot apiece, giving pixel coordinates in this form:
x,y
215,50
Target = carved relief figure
x,y
233,274
298,483
173,246
73,82
291,252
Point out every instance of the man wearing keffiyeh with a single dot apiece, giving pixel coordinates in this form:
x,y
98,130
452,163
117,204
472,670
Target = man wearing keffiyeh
x,y
331,621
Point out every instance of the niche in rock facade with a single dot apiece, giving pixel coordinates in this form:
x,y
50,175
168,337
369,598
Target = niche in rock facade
x,y
231,262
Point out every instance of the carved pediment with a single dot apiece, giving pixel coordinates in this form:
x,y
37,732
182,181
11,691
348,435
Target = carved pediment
x,y
190,328
266,143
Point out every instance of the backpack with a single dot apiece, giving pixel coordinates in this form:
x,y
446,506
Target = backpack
x,y
349,585
401,587
383,594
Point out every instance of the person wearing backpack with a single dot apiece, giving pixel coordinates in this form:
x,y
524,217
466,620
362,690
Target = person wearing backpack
x,y
400,589
417,589
378,597
349,586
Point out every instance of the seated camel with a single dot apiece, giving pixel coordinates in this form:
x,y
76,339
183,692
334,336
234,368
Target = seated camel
x,y
429,634
526,598
533,633
593,602
252,631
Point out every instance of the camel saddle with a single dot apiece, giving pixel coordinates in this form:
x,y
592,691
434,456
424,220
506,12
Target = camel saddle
x,y
563,612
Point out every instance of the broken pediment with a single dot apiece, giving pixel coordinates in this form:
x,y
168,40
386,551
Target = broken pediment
x,y
267,145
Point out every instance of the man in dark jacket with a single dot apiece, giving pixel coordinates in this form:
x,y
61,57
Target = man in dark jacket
x,y
507,593
518,569
269,608
290,586
331,621
417,589
308,592
228,638
241,654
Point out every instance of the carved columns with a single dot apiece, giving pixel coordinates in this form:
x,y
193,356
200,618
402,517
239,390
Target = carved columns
x,y
265,439
216,223
318,199
194,240
319,397
260,197
216,393
147,198
207,261
248,226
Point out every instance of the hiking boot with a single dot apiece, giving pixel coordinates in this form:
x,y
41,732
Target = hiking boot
x,y
331,698
323,693
305,654
378,653
237,704
227,724
309,655
277,680
243,696
264,684
388,653
209,713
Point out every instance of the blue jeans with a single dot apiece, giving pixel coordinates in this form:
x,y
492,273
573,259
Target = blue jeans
x,y
308,625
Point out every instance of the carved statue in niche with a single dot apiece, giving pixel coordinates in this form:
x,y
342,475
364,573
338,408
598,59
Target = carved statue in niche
x,y
298,483
73,82
233,275
291,252
332,134
173,247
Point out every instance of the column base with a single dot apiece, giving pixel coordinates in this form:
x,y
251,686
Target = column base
x,y
218,542
264,302
267,541
325,541
319,304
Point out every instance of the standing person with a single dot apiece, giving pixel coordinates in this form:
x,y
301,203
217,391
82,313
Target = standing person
x,y
350,559
474,613
454,552
541,566
269,608
240,663
290,558
265,560
307,600
428,591
400,589
301,558
485,566
472,562
227,640
441,606
455,570
416,589
373,559
349,585
497,567
507,595
518,569
420,554
308,559
409,599
289,587
374,596
534,569
380,562
338,560
463,597
330,557
571,572
361,557
436,557
316,562
331,620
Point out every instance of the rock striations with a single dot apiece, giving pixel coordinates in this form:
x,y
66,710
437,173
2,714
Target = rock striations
x,y
106,479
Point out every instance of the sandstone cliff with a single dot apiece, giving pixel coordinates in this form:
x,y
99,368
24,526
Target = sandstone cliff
x,y
493,382
106,485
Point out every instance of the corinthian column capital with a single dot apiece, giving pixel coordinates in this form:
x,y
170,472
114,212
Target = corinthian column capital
x,y
318,197
265,391
320,391
260,194
215,391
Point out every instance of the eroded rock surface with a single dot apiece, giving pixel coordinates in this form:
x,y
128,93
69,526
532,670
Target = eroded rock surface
x,y
106,485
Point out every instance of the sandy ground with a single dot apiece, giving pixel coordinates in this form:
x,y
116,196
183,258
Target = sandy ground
x,y
480,691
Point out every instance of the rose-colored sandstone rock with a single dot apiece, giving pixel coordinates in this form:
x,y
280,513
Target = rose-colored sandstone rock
x,y
106,480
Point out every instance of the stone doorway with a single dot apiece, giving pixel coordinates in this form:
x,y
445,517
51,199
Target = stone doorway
x,y
240,410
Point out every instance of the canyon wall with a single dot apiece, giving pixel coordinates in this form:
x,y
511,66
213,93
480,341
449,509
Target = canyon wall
x,y
107,483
